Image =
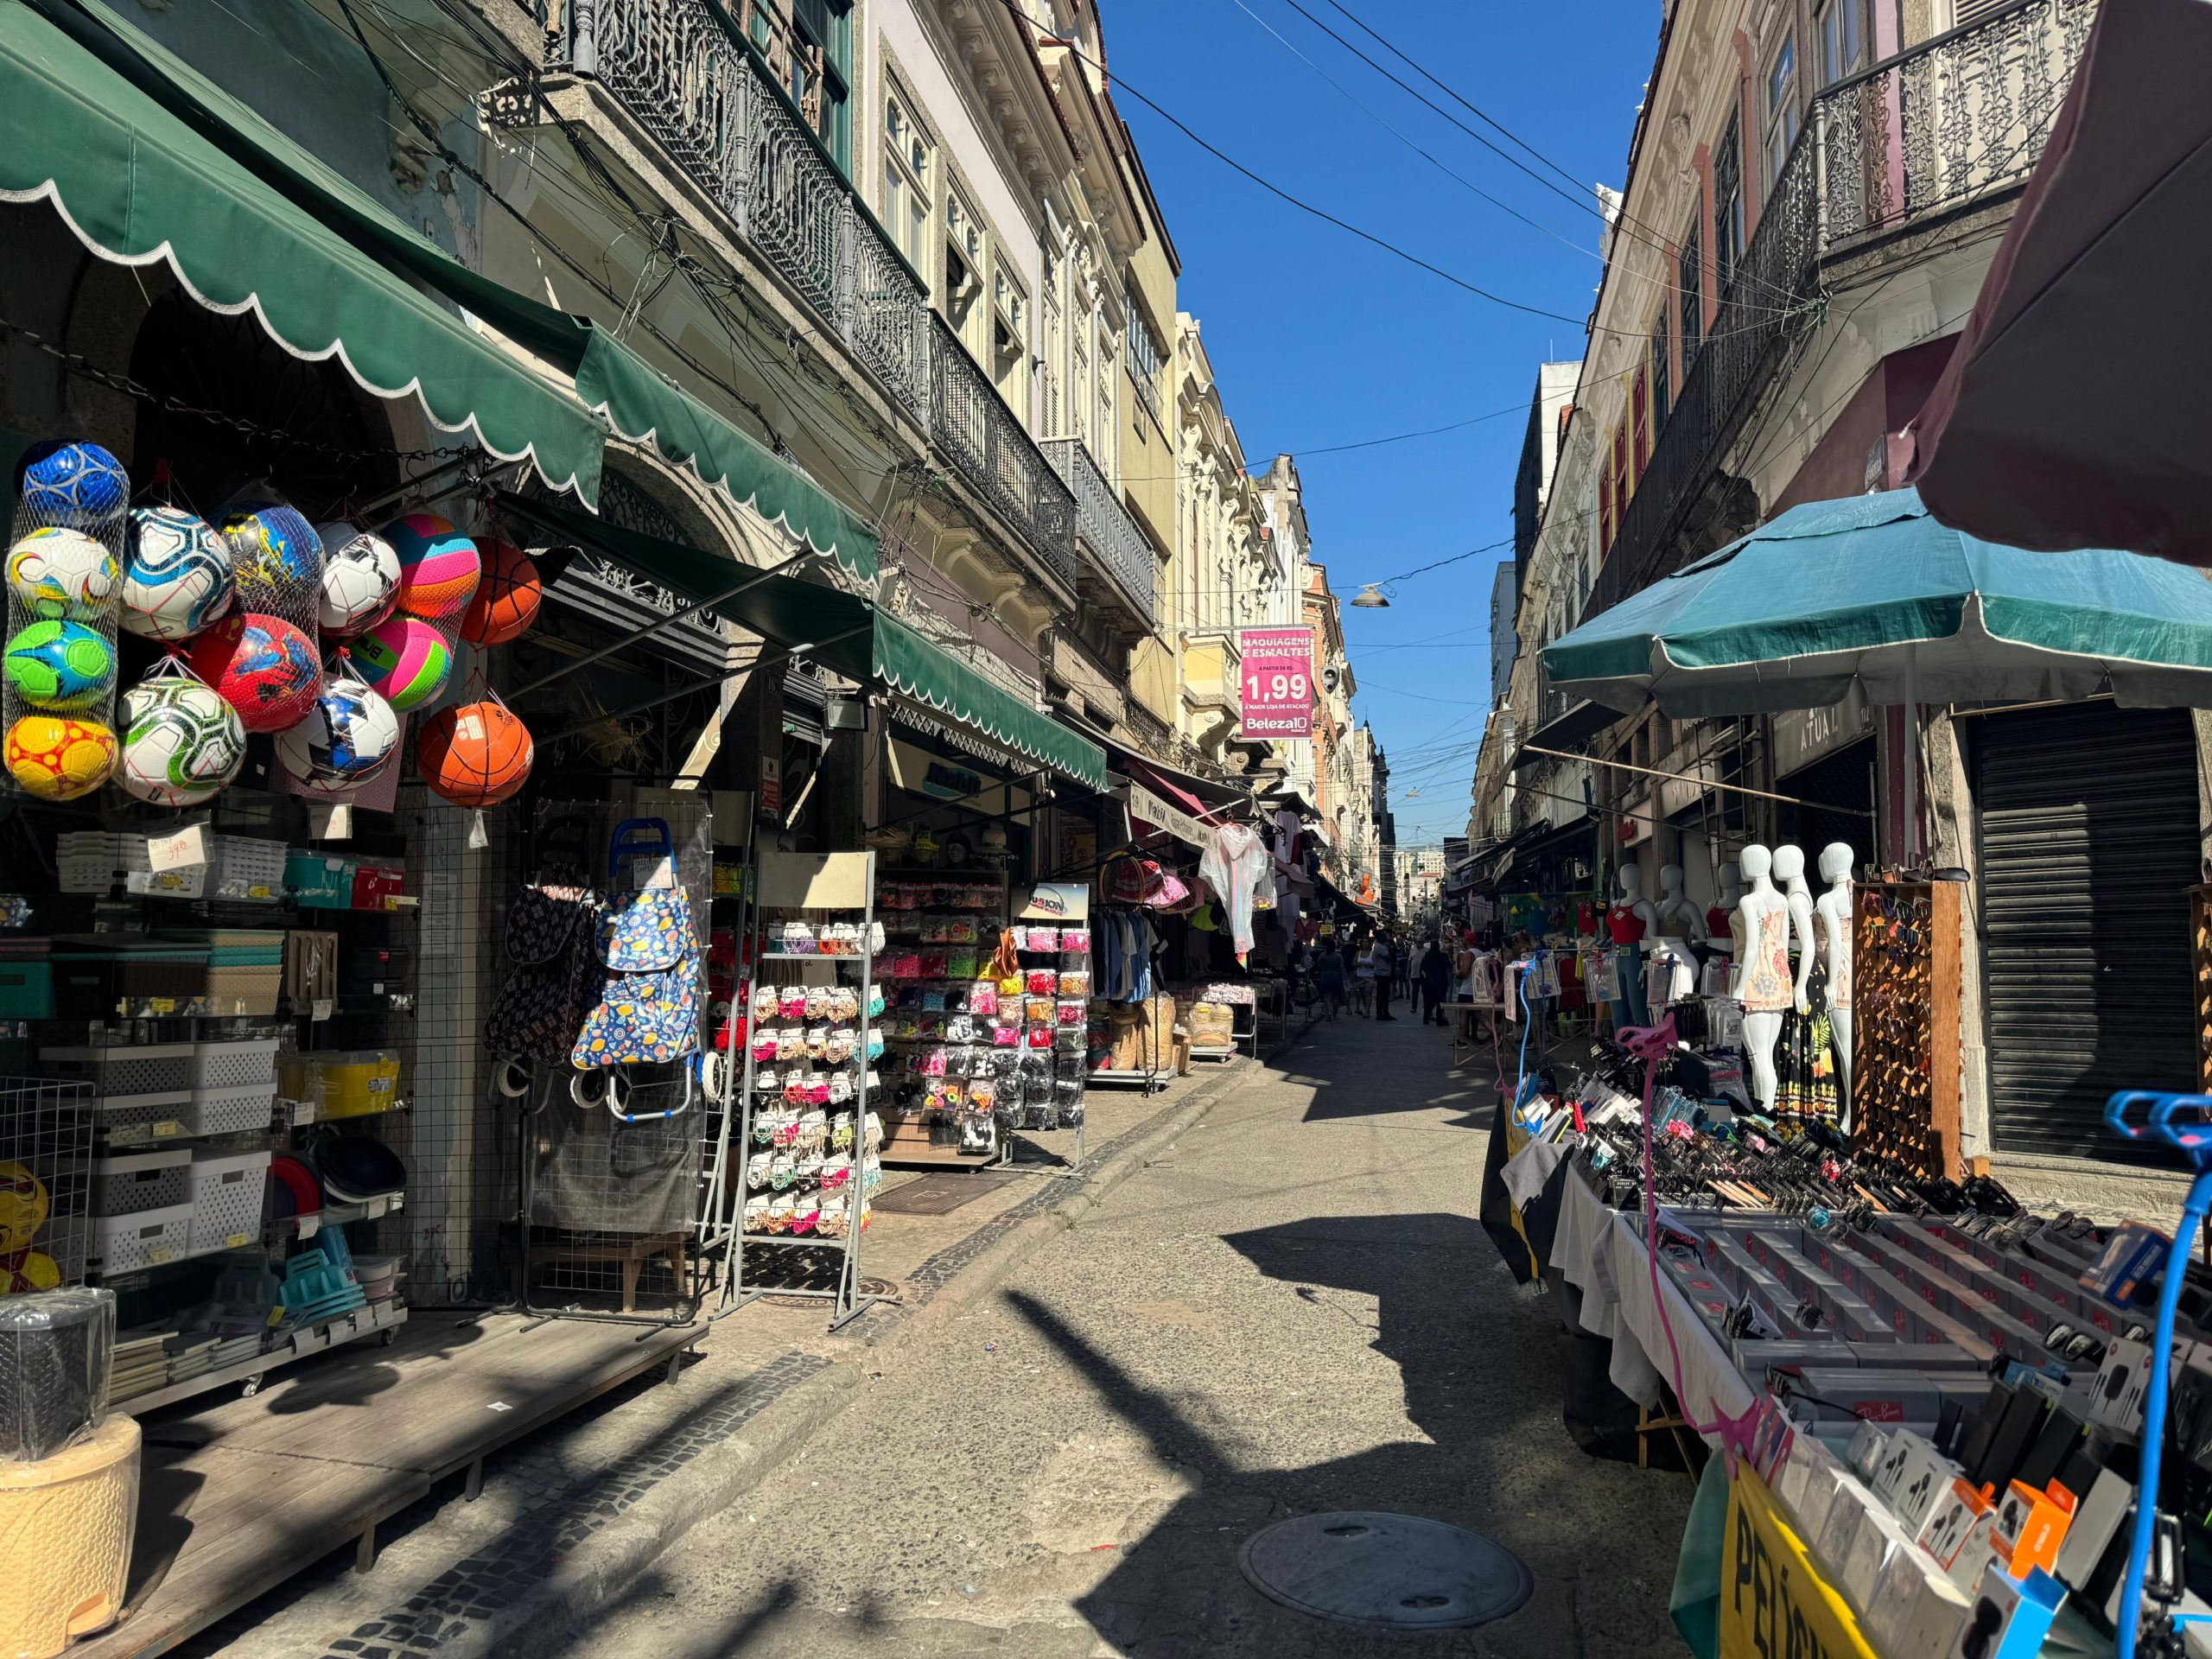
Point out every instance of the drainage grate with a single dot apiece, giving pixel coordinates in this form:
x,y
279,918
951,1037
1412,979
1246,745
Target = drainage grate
x,y
1387,1572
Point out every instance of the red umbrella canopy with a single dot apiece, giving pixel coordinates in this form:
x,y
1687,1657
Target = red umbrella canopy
x,y
2074,412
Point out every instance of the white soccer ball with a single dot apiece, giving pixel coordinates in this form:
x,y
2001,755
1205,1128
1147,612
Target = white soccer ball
x,y
347,740
182,743
62,575
360,579
176,576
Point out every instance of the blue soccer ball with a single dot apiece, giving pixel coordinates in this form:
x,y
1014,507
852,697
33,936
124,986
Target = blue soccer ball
x,y
176,576
80,485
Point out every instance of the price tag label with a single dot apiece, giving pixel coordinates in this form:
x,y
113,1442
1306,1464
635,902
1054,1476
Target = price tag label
x,y
322,1008
162,1004
158,1254
661,874
276,1317
168,1128
257,890
238,1240
310,1225
187,846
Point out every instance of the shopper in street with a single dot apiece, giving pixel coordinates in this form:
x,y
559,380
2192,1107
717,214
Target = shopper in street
x,y
1385,967
1362,989
1436,983
1329,976
1402,967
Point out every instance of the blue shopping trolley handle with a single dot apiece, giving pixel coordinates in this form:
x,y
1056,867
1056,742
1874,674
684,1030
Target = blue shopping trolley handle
x,y
651,837
2158,1110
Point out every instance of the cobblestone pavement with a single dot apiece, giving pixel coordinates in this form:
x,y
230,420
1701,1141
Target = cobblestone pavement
x,y
450,1572
1290,1310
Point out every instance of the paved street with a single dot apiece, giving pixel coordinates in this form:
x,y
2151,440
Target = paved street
x,y
1292,1309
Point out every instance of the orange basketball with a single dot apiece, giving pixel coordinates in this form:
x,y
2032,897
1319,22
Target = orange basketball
x,y
474,753
507,599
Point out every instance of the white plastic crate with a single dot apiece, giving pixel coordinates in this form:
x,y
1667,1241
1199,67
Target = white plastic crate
x,y
234,1065
128,1243
229,1111
138,1182
245,867
226,1198
128,1070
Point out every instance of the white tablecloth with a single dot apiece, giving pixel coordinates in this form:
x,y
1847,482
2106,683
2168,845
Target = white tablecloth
x,y
1600,1252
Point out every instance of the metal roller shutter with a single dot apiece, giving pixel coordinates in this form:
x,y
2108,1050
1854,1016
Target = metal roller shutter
x,y
2087,826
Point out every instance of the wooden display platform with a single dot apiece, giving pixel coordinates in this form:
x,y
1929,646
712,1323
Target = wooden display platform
x,y
237,1496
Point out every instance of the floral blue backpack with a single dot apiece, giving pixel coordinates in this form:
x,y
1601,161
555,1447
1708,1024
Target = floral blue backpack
x,y
647,1011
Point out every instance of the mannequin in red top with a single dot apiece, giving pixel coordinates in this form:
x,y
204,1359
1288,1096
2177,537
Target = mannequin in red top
x,y
1630,919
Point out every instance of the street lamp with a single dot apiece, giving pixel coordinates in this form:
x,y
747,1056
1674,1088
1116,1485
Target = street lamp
x,y
1371,598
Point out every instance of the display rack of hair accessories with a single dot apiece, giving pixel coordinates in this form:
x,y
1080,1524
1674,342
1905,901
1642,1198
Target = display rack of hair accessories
x,y
952,1033
812,1141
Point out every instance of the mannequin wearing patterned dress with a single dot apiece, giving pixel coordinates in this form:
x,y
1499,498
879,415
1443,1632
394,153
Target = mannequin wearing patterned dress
x,y
1805,1072
1833,911
1763,978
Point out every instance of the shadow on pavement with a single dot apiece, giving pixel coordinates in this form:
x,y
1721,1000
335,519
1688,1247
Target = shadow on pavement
x,y
1486,1412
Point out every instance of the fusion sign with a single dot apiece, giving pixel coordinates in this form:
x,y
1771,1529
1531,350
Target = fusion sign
x,y
1275,682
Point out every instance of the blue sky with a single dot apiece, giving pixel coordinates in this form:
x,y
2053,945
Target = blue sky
x,y
1320,340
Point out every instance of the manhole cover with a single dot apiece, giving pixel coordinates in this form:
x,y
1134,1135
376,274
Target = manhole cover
x,y
1387,1572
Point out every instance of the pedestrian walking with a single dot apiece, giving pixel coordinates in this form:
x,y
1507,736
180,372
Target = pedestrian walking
x,y
1329,976
1385,969
1401,968
1362,989
1436,983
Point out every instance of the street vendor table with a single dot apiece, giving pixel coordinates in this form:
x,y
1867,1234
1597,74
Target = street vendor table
x,y
1600,1252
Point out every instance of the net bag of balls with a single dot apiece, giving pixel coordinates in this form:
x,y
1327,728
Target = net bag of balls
x,y
264,657
64,568
182,742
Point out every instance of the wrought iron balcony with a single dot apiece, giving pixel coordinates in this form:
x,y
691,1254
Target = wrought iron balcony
x,y
1936,130
686,75
1104,529
974,431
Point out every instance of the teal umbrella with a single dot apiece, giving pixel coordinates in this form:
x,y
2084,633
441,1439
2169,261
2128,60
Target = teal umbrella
x,y
1871,591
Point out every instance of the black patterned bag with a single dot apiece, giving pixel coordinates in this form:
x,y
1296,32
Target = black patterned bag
x,y
551,971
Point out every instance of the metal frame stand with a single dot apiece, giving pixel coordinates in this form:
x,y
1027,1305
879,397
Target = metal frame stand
x,y
808,882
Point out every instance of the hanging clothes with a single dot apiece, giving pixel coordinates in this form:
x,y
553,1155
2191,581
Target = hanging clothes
x,y
1232,866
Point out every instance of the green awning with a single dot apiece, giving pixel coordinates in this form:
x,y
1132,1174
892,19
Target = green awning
x,y
842,632
138,185
638,403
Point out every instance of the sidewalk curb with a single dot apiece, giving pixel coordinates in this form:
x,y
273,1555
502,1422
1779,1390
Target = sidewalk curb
x,y
594,1576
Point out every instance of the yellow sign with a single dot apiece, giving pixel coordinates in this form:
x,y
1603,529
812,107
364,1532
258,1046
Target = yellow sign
x,y
1774,1603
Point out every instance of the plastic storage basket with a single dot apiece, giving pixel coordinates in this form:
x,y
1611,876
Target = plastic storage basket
x,y
348,1082
234,1065
143,1180
231,1111
128,1243
126,1070
227,1199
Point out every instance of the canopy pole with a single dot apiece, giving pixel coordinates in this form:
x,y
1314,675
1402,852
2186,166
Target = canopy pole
x,y
1911,753
1677,777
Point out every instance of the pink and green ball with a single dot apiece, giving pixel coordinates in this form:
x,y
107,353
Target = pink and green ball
x,y
439,566
405,660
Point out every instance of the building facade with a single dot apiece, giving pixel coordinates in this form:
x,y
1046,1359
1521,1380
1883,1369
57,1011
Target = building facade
x,y
1814,193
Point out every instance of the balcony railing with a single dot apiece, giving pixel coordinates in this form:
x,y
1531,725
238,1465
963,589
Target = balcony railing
x,y
971,423
1932,132
680,67
1104,526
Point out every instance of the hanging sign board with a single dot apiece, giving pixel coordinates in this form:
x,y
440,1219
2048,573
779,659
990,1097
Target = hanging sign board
x,y
1162,815
1057,901
1275,681
917,771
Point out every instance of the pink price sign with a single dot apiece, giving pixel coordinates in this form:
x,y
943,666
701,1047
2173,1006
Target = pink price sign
x,y
1275,681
